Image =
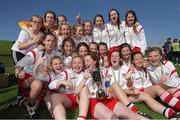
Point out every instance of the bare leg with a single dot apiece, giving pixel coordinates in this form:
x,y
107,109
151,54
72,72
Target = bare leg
x,y
152,103
48,103
84,102
36,87
154,90
119,93
59,103
122,111
102,112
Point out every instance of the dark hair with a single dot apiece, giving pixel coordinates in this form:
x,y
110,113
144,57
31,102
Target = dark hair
x,y
103,44
65,18
94,57
68,39
118,20
133,13
98,15
80,45
135,53
132,59
123,46
51,12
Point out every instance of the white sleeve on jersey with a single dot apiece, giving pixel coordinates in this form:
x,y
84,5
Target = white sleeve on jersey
x,y
25,61
52,84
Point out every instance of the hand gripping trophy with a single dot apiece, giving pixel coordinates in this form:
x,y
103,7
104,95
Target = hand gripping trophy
x,y
100,93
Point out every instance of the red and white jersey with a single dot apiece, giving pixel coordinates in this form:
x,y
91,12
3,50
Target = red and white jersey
x,y
115,34
135,39
29,61
165,69
118,76
68,74
140,79
22,38
100,35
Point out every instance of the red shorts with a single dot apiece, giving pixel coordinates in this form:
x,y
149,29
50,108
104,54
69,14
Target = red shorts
x,y
110,103
21,84
26,91
73,98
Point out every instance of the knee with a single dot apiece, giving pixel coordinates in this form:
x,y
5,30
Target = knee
x,y
144,96
112,116
36,85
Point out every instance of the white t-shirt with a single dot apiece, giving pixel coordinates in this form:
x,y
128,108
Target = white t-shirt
x,y
23,37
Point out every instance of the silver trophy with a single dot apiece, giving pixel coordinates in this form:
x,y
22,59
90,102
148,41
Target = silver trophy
x,y
100,93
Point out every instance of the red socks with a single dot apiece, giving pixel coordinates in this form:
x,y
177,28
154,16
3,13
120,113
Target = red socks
x,y
132,107
170,100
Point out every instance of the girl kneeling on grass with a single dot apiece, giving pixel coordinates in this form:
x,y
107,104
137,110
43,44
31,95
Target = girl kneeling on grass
x,y
106,107
72,91
25,67
140,88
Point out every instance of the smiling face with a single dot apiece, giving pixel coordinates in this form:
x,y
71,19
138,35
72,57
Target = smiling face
x,y
105,61
83,51
115,59
126,52
89,63
79,31
50,19
113,16
138,60
61,20
130,19
154,58
99,22
68,48
93,47
65,30
77,64
103,50
50,42
57,65
88,28
37,23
